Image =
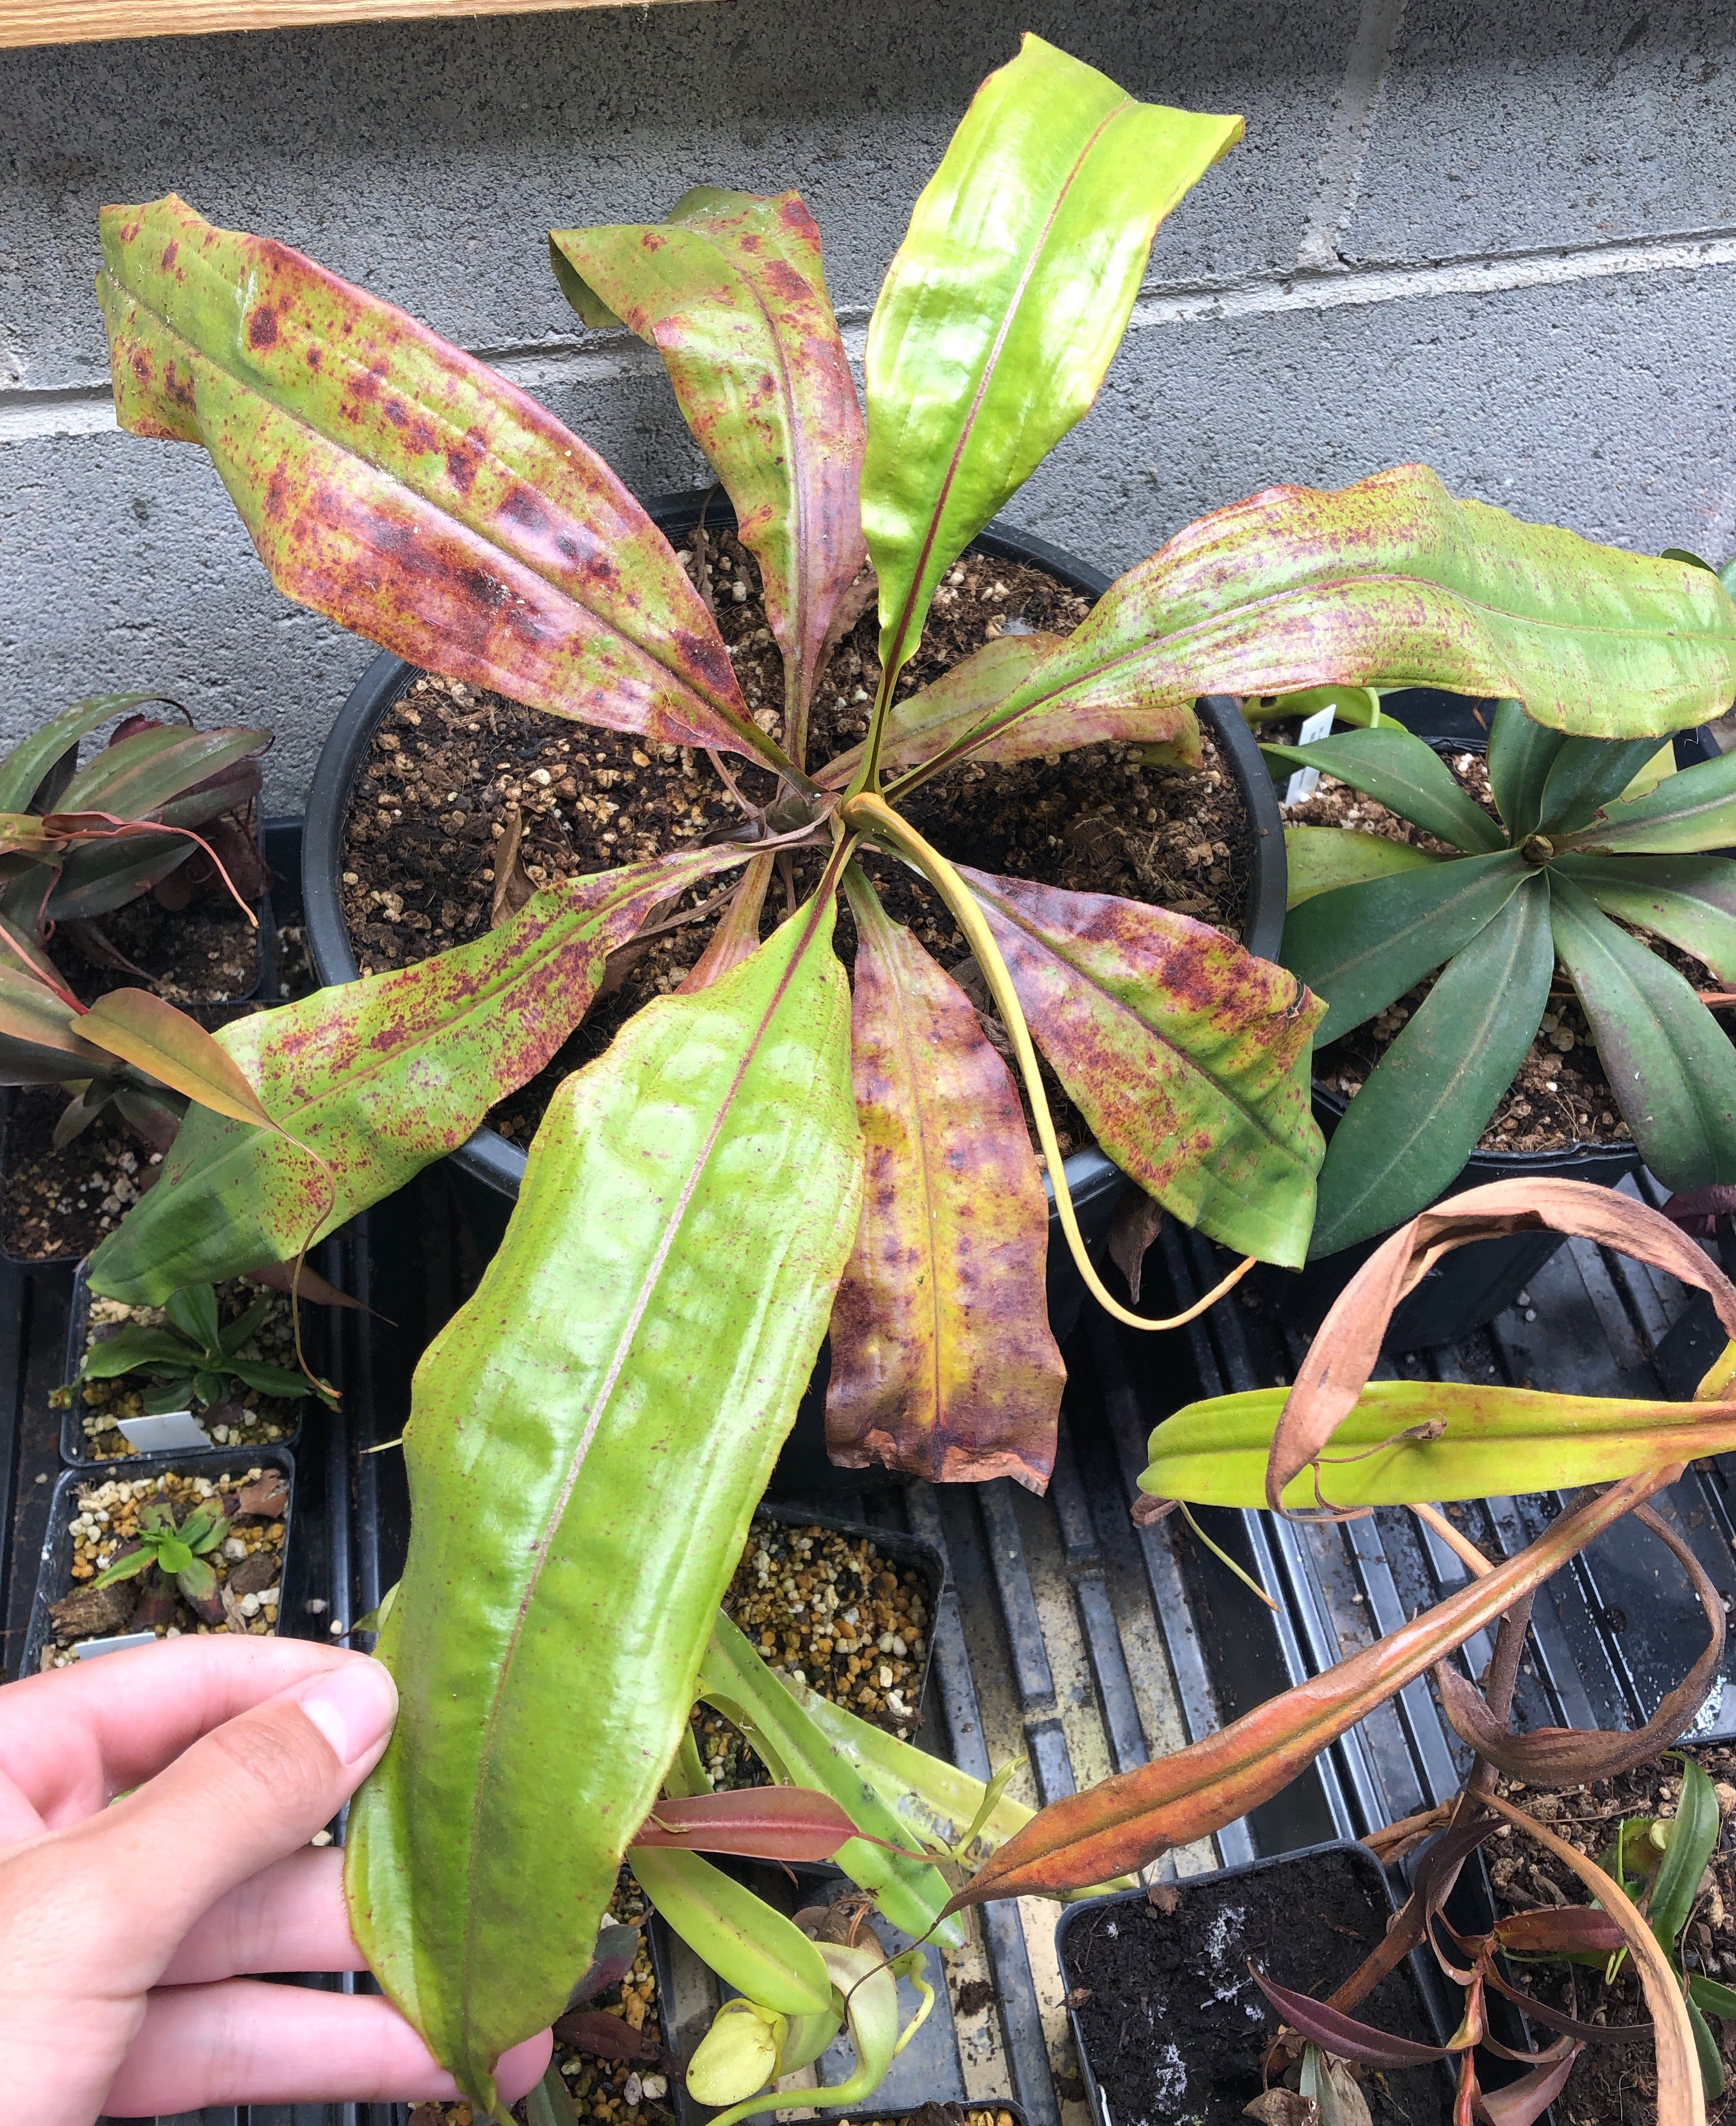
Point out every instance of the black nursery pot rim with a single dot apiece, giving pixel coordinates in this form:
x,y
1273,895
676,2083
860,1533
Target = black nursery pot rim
x,y
73,1451
498,1164
54,1575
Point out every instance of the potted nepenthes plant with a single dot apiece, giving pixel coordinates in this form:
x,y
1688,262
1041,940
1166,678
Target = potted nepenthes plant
x,y
1477,952
1341,1444
766,1149
140,866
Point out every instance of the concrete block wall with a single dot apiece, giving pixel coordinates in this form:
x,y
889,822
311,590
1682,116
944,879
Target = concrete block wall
x,y
1500,239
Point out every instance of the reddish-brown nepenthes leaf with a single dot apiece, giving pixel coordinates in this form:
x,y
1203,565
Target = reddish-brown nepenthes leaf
x,y
1559,1930
1127,1819
604,2036
1522,2101
755,1823
1343,1354
944,1365
392,483
1343,2035
151,1034
1566,1756
1188,1056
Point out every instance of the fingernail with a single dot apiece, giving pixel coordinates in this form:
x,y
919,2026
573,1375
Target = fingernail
x,y
353,1707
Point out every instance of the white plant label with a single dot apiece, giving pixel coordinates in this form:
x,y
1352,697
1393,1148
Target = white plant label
x,y
93,1648
171,1432
1306,780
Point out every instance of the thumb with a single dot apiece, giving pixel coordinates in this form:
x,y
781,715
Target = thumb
x,y
247,1794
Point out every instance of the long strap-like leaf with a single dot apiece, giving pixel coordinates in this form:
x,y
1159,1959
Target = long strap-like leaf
x,y
1004,303
587,1443
378,1078
731,292
391,482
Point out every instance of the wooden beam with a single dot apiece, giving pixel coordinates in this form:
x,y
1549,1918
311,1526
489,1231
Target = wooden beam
x,y
85,21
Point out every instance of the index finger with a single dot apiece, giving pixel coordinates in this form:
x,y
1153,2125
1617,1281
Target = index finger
x,y
72,1739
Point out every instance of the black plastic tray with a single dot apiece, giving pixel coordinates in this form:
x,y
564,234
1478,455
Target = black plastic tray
x,y
72,1432
55,1578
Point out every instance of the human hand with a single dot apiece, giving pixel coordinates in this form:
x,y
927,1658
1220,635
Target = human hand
x,y
122,1927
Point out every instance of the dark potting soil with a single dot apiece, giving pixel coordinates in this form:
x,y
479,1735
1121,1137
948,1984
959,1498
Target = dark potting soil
x,y
58,1204
453,773
205,954
1174,2027
1619,2081
1561,1096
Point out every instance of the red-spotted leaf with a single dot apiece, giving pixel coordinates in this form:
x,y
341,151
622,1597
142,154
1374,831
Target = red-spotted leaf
x,y
393,484
730,291
1343,2035
378,1078
943,1362
1391,582
1188,1056
757,1823
148,1032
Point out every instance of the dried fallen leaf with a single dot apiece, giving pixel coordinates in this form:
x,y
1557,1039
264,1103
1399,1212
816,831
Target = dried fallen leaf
x,y
1163,1897
1132,1231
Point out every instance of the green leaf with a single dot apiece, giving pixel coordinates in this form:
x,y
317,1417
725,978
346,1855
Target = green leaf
x,y
1669,1061
633,1356
1520,756
169,1391
104,875
269,1380
392,483
1590,772
1406,1136
193,1311
1321,858
941,717
130,1348
1004,303
1361,947
550,2102
1690,900
137,778
1359,707
129,1567
943,1364
1705,2045
1402,772
1708,1995
27,767
1187,1056
1405,1443
749,1946
176,1557
378,1078
731,292
230,1338
1693,1836
734,1680
1693,809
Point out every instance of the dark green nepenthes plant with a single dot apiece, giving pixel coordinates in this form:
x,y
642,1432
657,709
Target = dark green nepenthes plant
x,y
1551,892
774,1152
177,1550
195,1357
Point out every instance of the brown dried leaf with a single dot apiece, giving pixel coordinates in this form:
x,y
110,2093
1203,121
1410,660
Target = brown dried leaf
x,y
513,883
1132,1231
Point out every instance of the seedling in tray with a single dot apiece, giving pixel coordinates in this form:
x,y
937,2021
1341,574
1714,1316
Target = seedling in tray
x,y
771,1152
196,1358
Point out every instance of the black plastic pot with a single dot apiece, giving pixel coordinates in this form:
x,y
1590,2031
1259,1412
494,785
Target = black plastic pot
x,y
55,1576
72,1449
486,1172
907,1553
1470,1287
1082,1923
